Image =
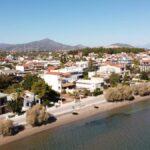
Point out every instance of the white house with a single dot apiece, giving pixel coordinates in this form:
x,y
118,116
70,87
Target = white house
x,y
91,74
58,80
91,85
82,64
29,100
108,69
20,68
53,79
145,64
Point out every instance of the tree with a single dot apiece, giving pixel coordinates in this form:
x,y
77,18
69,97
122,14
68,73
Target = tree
x,y
5,81
37,115
44,92
144,75
85,75
6,127
114,79
39,88
12,88
28,81
126,78
15,105
91,66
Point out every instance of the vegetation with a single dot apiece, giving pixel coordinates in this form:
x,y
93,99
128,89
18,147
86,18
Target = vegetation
x,y
97,92
13,88
126,79
5,81
6,127
142,89
37,115
114,79
85,75
28,81
119,93
15,105
37,86
91,66
44,92
102,50
145,75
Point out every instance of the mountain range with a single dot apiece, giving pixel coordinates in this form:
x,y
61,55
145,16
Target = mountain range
x,y
41,45
50,45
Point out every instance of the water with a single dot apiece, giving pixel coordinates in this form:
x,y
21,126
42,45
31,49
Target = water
x,y
124,129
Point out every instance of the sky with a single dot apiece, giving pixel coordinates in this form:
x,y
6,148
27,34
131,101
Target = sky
x,y
87,22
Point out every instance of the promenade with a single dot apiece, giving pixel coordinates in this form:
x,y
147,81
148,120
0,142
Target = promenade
x,y
63,108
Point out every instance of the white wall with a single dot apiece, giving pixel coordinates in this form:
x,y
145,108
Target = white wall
x,y
53,80
109,69
20,68
88,84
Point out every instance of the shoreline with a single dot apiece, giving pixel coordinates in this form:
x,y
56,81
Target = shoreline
x,y
69,118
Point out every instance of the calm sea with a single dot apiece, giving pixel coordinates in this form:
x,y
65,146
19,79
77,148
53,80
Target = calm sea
x,y
124,129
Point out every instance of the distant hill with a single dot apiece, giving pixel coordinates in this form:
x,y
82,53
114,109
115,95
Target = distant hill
x,y
119,45
41,45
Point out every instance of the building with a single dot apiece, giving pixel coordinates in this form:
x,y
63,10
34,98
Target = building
x,y
91,84
29,99
56,80
20,68
8,72
3,102
109,69
145,65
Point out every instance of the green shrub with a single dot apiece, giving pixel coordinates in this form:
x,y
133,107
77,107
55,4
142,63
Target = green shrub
x,y
97,92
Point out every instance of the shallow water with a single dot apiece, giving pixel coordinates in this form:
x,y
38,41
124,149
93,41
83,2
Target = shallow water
x,y
124,129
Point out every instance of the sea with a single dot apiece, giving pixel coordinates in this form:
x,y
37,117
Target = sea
x,y
127,128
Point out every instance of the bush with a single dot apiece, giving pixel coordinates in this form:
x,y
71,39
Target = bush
x,y
6,127
119,93
37,115
142,89
85,92
114,79
97,92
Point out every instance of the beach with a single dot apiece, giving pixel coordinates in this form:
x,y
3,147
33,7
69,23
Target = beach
x,y
70,118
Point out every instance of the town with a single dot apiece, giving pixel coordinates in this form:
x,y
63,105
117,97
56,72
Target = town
x,y
60,82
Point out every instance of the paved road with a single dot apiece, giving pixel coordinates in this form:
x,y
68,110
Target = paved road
x,y
70,107
66,108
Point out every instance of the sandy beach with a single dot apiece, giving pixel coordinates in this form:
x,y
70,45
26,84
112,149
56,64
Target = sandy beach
x,y
70,118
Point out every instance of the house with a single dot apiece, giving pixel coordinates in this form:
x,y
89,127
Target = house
x,y
20,68
145,64
29,99
8,72
111,68
3,102
82,64
91,84
59,80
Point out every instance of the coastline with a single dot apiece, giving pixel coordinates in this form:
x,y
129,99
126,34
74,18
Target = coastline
x,y
69,118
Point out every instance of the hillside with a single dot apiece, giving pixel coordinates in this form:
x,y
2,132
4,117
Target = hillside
x,y
41,45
